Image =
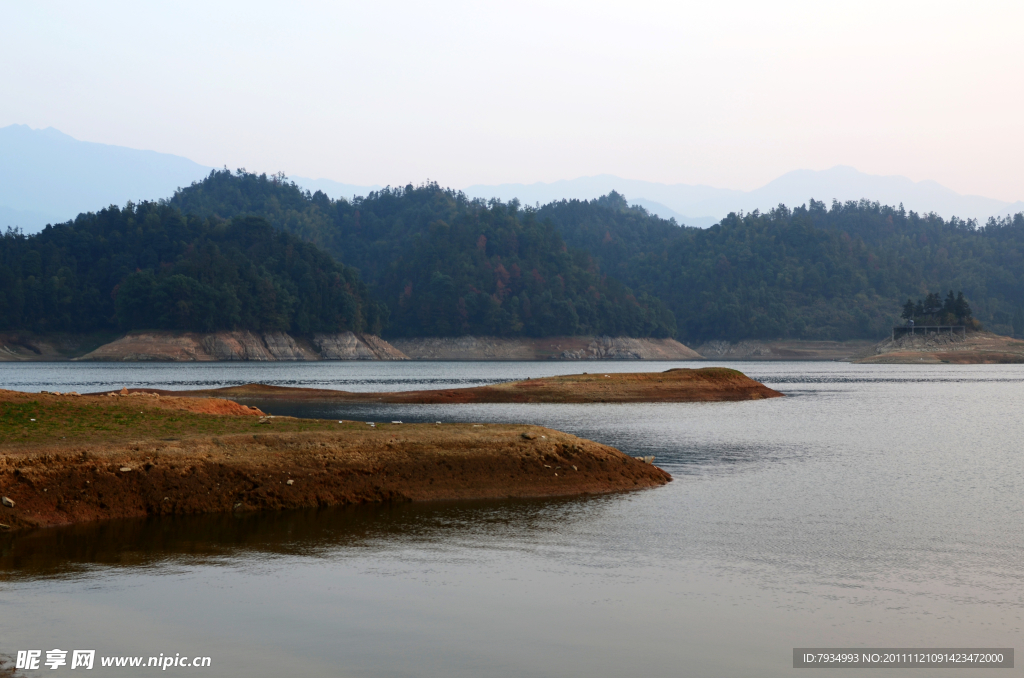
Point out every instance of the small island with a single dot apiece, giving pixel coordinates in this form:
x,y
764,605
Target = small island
x,y
941,331
678,385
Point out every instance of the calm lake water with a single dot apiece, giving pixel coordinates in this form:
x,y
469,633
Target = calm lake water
x,y
874,506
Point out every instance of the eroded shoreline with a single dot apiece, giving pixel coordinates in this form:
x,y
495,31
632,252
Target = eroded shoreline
x,y
89,458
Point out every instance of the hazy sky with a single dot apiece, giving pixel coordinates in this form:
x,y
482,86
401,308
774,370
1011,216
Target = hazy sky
x,y
730,94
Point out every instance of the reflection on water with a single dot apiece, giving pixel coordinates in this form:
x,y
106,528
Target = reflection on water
x,y
874,506
220,538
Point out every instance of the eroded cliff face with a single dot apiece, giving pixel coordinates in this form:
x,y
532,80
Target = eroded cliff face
x,y
348,346
242,345
171,346
557,348
626,348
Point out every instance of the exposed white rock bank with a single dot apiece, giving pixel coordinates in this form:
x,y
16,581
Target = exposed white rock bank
x,y
166,346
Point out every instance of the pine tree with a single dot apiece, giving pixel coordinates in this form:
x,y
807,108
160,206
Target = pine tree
x,y
961,309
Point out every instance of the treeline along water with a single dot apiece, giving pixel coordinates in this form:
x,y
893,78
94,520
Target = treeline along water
x,y
428,261
809,271
873,506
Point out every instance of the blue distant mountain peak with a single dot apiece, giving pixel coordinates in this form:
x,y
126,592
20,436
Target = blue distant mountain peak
x,y
47,176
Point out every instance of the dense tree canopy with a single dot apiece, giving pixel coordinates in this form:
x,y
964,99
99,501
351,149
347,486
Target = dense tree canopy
x,y
149,266
812,272
614,232
447,265
932,310
444,264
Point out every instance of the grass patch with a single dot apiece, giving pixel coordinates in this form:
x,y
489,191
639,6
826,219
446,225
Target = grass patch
x,y
125,419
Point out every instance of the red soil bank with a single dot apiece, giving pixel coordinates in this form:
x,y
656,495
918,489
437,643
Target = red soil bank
x,y
244,462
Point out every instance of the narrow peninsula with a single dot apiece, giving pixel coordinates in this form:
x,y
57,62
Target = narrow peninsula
x,y
66,458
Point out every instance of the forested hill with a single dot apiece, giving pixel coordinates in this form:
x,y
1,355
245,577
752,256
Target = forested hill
x,y
811,272
446,265
241,251
612,230
149,266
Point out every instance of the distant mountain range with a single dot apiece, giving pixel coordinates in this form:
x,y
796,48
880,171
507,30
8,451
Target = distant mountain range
x,y
47,176
704,205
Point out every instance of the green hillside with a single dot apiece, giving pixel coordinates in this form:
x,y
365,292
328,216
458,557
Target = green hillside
x,y
813,272
149,266
239,250
446,265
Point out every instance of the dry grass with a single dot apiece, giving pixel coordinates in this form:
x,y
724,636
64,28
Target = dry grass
x,y
28,420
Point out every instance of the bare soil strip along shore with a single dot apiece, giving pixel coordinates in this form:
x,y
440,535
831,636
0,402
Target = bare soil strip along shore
x,y
708,384
181,346
548,348
974,348
67,459
785,349
173,346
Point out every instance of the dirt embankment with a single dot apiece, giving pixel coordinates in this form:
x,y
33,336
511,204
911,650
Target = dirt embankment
x,y
708,384
50,347
550,348
243,345
67,459
173,346
972,348
794,349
